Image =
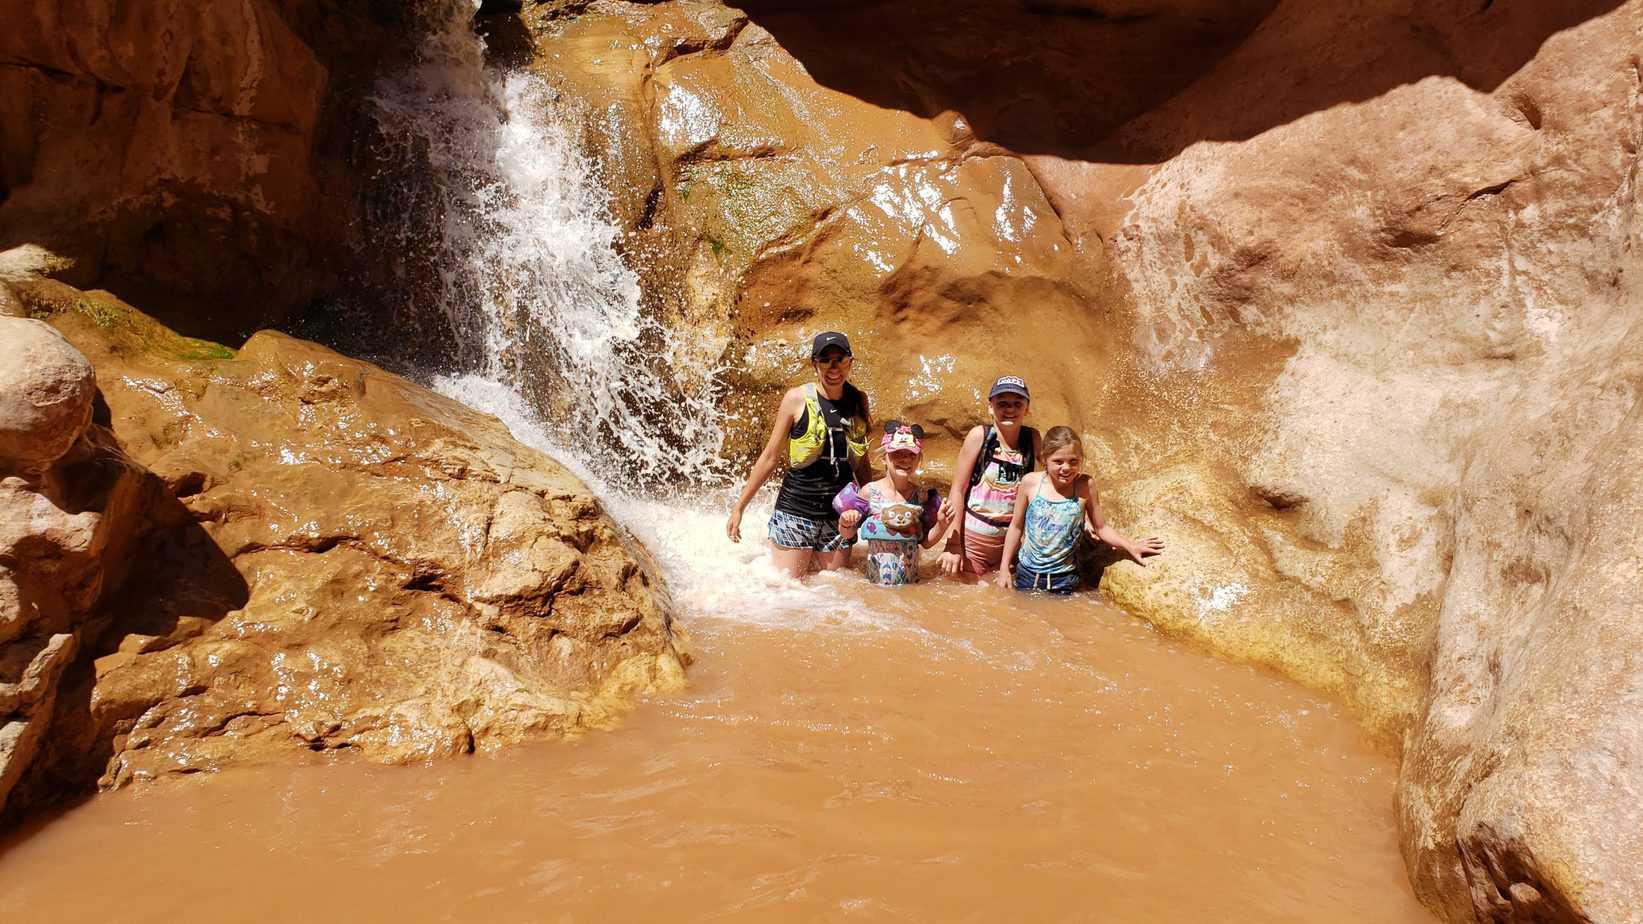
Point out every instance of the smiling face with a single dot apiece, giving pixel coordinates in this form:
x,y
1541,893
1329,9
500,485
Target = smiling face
x,y
1063,465
832,367
1008,411
903,463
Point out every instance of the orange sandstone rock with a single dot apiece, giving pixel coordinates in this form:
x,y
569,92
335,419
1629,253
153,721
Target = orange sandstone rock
x,y
1341,294
355,563
764,206
71,507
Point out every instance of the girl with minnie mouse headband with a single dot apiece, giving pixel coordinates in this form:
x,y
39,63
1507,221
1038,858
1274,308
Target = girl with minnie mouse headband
x,y
889,515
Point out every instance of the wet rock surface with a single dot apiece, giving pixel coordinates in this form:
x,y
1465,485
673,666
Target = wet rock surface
x,y
1344,306
345,561
761,204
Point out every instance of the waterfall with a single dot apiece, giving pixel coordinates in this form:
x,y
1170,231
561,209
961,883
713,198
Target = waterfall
x,y
532,292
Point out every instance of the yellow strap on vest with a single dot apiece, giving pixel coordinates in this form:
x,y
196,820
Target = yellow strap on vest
x,y
809,446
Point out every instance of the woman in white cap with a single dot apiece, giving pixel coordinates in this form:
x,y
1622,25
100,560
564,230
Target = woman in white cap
x,y
823,426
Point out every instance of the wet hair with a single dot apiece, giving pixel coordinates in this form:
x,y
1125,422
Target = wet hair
x,y
1059,438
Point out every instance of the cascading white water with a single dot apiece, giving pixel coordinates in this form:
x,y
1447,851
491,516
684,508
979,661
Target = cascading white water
x,y
531,286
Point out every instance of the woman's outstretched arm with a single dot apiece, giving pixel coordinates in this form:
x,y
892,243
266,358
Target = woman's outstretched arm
x,y
958,496
786,414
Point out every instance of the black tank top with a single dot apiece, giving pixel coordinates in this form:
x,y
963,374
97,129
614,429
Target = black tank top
x,y
808,492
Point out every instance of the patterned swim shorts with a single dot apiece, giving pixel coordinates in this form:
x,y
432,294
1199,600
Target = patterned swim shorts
x,y
796,532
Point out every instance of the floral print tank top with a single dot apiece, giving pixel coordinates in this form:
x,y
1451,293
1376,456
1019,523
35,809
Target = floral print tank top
x,y
1050,533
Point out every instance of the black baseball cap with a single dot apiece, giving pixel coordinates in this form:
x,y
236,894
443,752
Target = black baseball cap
x,y
1009,385
827,339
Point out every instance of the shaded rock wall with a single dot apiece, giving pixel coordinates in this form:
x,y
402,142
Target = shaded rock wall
x,y
346,562
204,159
1343,301
72,507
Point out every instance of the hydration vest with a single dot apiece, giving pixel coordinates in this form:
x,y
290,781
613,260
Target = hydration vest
x,y
989,443
810,446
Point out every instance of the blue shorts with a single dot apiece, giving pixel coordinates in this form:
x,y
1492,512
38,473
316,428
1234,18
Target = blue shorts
x,y
1056,583
795,532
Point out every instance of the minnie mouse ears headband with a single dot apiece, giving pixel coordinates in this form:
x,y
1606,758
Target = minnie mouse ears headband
x,y
899,436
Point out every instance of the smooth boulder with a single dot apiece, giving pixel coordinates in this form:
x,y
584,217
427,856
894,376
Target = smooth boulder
x,y
46,390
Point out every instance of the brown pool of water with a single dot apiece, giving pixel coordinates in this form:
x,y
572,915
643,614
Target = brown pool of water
x,y
939,752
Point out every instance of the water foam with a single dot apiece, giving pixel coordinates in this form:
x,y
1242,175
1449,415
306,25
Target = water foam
x,y
530,282
709,575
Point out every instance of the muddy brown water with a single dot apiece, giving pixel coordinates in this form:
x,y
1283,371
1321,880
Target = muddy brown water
x,y
966,755
842,752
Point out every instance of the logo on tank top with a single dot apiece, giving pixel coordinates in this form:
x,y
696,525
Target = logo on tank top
x,y
1011,466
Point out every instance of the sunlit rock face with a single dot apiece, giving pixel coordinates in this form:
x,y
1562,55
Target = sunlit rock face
x,y
346,562
762,204
1341,295
1451,262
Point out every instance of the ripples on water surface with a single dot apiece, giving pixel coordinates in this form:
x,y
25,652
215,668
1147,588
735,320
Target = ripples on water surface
x,y
842,752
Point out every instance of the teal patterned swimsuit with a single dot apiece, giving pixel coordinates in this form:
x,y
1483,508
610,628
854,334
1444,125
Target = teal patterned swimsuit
x,y
1050,534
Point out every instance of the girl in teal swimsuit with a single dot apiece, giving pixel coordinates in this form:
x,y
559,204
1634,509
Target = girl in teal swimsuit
x,y
1052,508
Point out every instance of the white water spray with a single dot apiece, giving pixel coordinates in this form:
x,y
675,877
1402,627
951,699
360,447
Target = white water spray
x,y
536,297
532,288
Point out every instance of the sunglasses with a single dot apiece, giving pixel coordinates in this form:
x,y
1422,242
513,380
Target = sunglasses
x,y
838,359
891,426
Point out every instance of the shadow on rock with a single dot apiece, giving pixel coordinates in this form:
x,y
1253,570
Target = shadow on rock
x,y
177,583
1136,81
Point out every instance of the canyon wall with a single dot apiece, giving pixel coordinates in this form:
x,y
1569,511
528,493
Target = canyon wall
x,y
208,160
1341,295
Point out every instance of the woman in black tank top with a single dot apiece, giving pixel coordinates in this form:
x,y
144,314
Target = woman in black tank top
x,y
804,526
808,492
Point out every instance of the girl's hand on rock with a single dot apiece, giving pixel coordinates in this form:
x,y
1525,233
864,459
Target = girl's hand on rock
x,y
733,526
1146,548
950,562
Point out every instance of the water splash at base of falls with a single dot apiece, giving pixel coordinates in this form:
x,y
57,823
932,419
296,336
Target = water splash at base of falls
x,y
532,290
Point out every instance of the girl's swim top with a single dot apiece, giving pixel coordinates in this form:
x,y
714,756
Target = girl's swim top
x,y
822,448
892,533
993,482
1050,534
